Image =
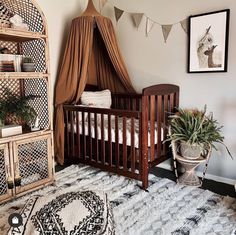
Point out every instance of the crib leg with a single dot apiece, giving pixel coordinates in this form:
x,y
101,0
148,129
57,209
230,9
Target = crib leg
x,y
145,183
145,176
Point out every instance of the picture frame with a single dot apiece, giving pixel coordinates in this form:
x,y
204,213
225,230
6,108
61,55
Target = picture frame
x,y
208,42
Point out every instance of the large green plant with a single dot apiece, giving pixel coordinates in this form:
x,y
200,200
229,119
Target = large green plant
x,y
17,106
196,128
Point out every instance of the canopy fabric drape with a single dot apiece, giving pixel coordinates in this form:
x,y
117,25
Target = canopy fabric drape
x,y
91,54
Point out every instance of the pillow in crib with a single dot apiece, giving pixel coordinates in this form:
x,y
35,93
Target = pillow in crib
x,y
100,99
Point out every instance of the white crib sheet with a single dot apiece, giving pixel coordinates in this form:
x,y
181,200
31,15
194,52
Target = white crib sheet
x,y
120,125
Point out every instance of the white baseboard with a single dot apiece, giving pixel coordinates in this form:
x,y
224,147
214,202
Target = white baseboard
x,y
208,176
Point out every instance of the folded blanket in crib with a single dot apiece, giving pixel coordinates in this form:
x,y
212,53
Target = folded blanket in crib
x,y
113,128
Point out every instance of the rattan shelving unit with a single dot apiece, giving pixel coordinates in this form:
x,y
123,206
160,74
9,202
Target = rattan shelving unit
x,y
28,156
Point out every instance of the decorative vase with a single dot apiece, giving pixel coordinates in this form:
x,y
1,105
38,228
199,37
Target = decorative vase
x,y
190,151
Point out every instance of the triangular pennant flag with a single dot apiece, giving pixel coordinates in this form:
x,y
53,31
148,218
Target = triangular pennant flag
x,y
137,18
184,25
166,30
149,26
118,13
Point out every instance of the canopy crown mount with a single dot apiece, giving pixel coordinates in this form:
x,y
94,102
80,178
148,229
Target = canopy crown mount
x,y
90,10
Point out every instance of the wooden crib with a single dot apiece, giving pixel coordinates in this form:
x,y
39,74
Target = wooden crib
x,y
127,139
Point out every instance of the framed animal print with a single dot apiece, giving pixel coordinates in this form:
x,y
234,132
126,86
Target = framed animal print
x,y
208,42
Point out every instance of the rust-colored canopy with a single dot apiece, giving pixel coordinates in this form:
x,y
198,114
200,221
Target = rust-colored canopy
x,y
91,56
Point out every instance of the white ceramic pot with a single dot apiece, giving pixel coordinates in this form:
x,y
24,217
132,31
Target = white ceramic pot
x,y
28,67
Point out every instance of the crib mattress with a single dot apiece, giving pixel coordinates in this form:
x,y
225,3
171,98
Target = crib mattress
x,y
120,126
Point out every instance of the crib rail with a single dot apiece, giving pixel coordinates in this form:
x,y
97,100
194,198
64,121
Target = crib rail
x,y
131,102
100,137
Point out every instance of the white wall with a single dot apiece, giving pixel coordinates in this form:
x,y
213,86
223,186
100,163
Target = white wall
x,y
151,61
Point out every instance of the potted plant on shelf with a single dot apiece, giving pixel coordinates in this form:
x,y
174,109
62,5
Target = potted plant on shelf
x,y
2,113
28,65
195,131
15,109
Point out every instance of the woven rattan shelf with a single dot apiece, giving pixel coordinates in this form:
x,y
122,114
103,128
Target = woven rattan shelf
x,y
22,75
26,135
27,156
7,34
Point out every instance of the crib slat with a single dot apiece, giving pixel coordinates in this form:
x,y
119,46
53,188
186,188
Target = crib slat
x,y
134,103
140,150
67,134
109,140
124,144
166,98
89,136
132,146
78,133
144,144
152,127
176,99
102,139
96,137
172,102
72,134
84,136
159,121
128,104
117,154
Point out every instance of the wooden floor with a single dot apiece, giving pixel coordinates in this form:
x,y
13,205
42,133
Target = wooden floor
x,y
217,187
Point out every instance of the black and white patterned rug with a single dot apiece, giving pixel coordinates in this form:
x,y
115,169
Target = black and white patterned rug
x,y
166,209
72,212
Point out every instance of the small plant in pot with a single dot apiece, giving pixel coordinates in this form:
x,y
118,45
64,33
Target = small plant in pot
x,y
2,113
195,131
15,109
28,65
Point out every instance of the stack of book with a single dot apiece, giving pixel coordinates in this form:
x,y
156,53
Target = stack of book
x,y
10,63
7,66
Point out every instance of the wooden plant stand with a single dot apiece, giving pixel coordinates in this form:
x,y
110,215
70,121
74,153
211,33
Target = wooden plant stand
x,y
189,177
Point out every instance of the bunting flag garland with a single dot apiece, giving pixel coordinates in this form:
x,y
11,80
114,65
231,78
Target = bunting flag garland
x,y
137,18
184,25
118,13
149,26
166,30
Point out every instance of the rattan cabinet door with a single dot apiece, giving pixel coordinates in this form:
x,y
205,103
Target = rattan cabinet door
x,y
32,163
5,174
